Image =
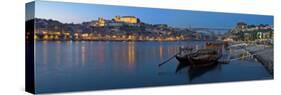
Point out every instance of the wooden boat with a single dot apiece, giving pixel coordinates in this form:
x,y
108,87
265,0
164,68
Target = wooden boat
x,y
183,56
204,57
200,58
215,44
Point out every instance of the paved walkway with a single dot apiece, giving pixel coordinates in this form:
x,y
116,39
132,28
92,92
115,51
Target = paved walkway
x,y
263,54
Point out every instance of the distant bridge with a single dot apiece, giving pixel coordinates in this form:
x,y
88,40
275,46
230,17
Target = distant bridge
x,y
211,29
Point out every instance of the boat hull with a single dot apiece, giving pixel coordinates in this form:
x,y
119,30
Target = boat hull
x,y
201,60
183,60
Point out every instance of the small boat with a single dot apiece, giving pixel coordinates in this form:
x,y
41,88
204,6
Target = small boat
x,y
182,57
204,57
200,58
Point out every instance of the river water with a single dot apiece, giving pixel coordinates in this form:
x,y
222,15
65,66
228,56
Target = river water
x,y
93,65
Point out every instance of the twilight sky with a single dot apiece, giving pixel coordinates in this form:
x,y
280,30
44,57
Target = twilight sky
x,y
77,13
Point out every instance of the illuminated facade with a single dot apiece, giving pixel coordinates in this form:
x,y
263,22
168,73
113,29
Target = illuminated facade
x,y
100,22
126,19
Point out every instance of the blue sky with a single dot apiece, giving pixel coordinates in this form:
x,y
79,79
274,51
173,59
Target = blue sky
x,y
77,13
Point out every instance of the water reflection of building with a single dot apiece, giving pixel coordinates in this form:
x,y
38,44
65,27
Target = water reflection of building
x,y
83,54
131,53
58,52
45,52
161,52
99,53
